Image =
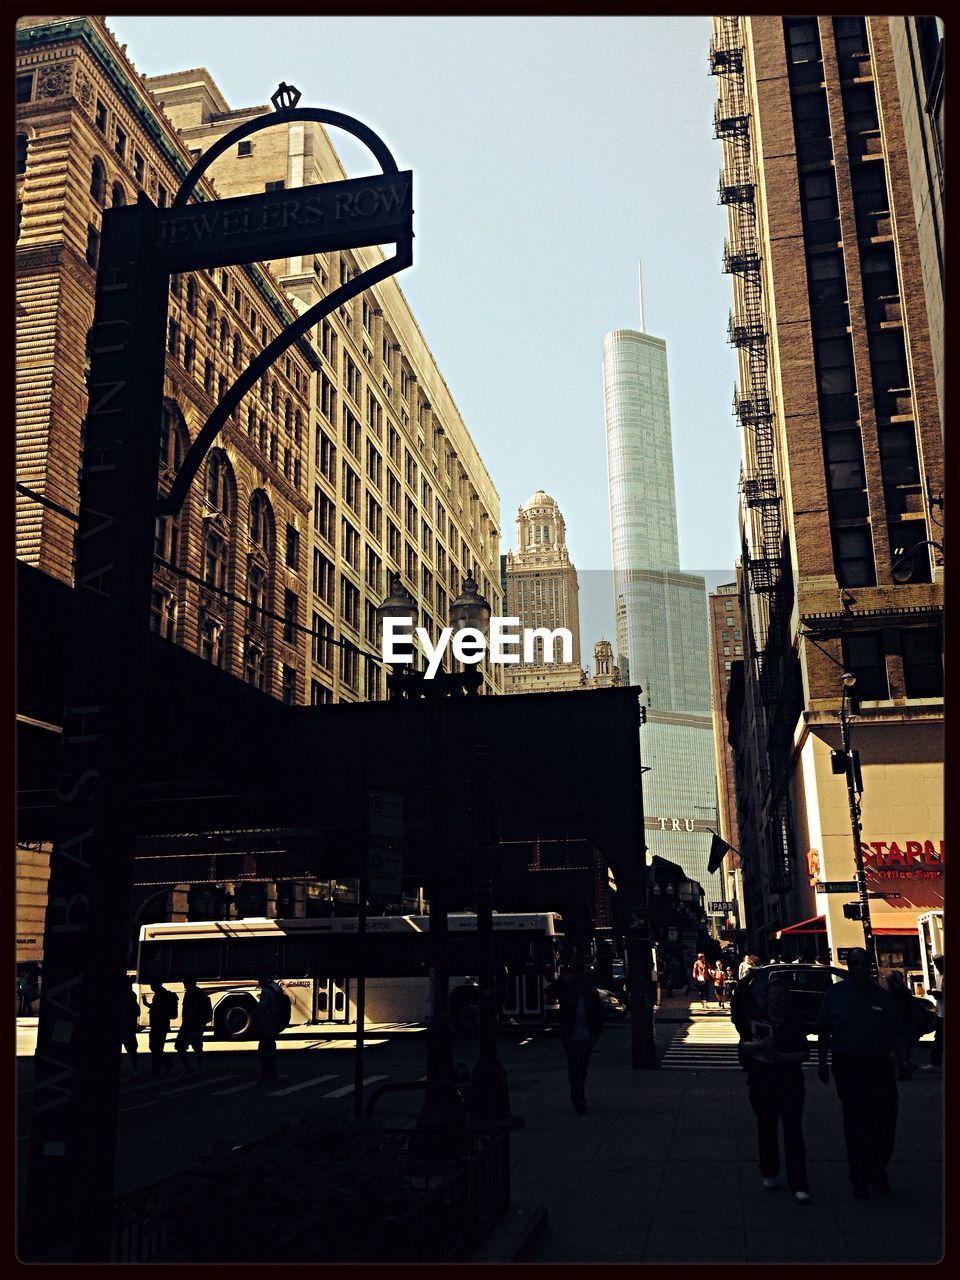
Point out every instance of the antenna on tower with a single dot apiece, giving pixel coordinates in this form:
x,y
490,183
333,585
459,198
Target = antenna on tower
x,y
640,286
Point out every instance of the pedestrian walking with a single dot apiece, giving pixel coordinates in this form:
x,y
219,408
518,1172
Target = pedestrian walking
x,y
858,1026
195,1013
163,1010
719,980
746,964
24,1003
936,1053
912,1017
273,1017
773,1059
130,1014
581,1021
700,975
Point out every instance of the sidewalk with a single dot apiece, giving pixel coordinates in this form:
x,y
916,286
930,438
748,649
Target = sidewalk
x,y
628,1181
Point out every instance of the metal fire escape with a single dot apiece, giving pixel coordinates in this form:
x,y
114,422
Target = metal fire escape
x,y
765,565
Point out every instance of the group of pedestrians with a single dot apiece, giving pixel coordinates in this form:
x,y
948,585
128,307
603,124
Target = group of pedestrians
x,y
862,1040
711,978
196,1013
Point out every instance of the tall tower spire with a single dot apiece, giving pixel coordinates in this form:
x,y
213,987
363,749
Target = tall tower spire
x,y
640,287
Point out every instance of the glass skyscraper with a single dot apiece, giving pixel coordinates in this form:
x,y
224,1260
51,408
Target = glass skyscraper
x,y
661,612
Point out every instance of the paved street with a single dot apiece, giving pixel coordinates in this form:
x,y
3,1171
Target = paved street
x,y
619,1182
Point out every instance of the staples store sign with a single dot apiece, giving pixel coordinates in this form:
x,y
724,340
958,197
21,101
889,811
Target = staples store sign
x,y
908,859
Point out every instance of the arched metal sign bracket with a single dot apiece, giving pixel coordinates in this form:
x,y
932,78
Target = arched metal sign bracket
x,y
173,501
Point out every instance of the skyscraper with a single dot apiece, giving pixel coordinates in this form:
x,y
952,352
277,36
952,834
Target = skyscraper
x,y
660,611
542,591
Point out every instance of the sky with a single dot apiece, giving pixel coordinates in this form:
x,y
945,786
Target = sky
x,y
549,155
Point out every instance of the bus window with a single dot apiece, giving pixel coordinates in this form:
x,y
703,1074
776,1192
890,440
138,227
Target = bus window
x,y
298,959
254,956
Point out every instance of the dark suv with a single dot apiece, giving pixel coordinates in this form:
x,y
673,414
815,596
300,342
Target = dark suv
x,y
806,984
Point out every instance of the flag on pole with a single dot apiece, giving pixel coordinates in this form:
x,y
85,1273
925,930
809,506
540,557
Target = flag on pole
x,y
718,848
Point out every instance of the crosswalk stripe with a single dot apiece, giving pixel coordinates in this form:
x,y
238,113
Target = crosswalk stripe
x,y
304,1084
199,1084
348,1088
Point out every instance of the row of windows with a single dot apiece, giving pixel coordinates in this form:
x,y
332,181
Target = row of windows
x,y
920,650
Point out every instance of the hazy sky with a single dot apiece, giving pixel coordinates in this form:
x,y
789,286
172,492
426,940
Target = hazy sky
x,y
549,154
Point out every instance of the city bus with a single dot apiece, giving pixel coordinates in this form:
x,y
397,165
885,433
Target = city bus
x,y
315,961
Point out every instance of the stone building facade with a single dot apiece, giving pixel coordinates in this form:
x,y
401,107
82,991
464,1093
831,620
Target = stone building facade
x,y
840,495
542,591
395,481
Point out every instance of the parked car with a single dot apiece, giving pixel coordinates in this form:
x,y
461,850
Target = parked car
x,y
806,983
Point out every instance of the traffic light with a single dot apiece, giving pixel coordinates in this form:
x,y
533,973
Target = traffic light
x,y
851,911
849,763
838,761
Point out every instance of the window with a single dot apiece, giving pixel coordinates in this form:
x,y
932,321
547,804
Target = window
x,y
93,246
218,483
222,337
244,148
869,184
274,186
860,108
320,695
290,603
21,156
171,452
211,636
851,36
257,595
293,547
374,414
98,180
214,560
374,465
835,366
348,666
165,539
349,603
393,491
326,457
324,512
888,360
25,89
393,445
328,398
237,351
120,142
853,556
922,654
819,196
210,327
138,166
863,656
898,454
190,298
323,577
803,41
163,614
100,117
374,517
393,542
161,195
272,454
351,432
320,644
236,298
351,487
349,543
19,218
254,671
288,686
373,575
351,378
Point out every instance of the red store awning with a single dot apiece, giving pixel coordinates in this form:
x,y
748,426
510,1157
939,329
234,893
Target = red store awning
x,y
816,924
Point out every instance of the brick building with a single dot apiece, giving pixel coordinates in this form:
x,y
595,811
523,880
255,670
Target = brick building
x,y
840,505
726,647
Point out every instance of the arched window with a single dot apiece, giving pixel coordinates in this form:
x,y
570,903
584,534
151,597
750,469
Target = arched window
x,y
211,327
254,670
236,351
287,414
98,180
22,142
191,296
172,439
211,639
118,197
215,560
256,595
222,343
297,427
219,487
273,398
261,521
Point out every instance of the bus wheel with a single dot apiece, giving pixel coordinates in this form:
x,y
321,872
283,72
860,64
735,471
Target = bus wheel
x,y
235,1019
465,1015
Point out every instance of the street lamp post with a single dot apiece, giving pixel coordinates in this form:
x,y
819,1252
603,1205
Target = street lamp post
x,y
850,764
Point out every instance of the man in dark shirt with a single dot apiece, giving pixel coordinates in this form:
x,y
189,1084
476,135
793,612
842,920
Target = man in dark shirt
x,y
581,1021
858,1023
774,1058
